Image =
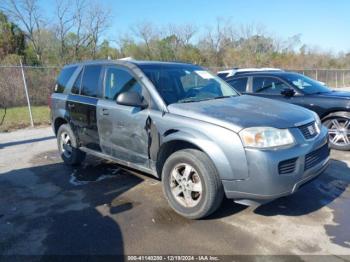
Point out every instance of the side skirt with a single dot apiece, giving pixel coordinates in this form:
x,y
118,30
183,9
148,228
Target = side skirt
x,y
118,161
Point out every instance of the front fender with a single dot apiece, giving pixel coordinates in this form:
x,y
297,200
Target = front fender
x,y
223,147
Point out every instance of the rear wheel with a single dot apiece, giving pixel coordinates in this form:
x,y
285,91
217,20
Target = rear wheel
x,y
191,184
339,132
68,146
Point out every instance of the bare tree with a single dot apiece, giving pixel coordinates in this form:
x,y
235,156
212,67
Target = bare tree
x,y
27,13
65,19
81,36
97,23
146,32
184,33
215,41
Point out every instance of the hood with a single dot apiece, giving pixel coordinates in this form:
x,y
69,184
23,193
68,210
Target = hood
x,y
244,111
335,94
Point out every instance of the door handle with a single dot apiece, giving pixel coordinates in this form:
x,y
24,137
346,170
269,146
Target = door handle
x,y
71,105
105,111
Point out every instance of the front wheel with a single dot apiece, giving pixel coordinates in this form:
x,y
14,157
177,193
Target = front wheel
x,y
339,132
191,184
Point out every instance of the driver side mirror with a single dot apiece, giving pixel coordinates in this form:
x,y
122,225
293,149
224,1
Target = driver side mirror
x,y
288,92
131,98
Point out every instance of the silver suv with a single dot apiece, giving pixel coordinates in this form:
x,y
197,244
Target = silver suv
x,y
190,129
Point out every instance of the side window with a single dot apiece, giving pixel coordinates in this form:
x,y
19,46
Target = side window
x,y
91,79
77,84
268,85
239,84
63,78
119,80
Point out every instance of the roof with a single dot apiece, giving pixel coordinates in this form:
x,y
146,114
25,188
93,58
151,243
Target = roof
x,y
276,73
164,63
128,61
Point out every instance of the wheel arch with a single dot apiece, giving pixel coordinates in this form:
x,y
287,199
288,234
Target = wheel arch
x,y
181,140
58,122
337,113
170,147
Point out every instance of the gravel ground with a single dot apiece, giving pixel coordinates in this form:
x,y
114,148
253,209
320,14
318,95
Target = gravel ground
x,y
47,208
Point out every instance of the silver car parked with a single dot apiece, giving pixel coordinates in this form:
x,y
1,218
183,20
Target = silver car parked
x,y
190,129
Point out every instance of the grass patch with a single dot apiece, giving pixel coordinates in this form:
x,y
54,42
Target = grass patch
x,y
18,117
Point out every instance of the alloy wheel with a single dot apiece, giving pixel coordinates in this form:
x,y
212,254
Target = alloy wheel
x,y
339,131
66,145
186,185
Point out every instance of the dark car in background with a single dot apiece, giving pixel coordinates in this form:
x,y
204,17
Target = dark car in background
x,y
333,107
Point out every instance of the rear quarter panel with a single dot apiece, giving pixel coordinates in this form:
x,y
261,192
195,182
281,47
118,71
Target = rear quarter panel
x,y
58,108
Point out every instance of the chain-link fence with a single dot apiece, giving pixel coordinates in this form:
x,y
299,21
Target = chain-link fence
x,y
14,110
335,78
40,82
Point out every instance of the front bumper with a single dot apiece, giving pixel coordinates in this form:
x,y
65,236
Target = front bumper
x,y
266,183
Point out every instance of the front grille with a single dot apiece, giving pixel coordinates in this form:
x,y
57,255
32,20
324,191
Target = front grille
x,y
315,157
309,130
287,166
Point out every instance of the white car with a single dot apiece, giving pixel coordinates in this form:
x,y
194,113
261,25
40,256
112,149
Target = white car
x,y
231,72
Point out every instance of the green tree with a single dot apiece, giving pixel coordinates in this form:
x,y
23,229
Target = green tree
x,y
105,51
12,40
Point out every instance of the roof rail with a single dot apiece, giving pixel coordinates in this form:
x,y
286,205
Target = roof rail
x,y
129,58
232,72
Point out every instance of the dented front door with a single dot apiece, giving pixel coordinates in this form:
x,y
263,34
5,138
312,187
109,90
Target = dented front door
x,y
122,130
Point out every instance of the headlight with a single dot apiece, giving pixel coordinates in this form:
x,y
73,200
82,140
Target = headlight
x,y
265,137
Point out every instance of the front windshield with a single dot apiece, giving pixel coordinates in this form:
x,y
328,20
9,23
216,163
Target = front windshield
x,y
178,83
306,84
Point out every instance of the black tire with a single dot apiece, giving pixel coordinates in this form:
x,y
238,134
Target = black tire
x,y
341,144
212,190
76,156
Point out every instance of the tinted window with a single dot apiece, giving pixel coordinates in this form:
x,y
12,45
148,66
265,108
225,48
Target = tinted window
x,y
63,78
239,84
306,84
268,85
77,84
222,75
90,81
119,80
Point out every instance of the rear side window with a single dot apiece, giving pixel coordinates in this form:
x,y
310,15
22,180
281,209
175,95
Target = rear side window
x,y
77,84
239,84
91,79
268,85
119,80
63,78
222,75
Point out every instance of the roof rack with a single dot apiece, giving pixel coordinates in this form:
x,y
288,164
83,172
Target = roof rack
x,y
129,58
231,72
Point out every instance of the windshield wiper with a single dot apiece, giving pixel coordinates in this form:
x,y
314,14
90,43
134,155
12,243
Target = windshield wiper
x,y
187,101
219,97
321,92
190,99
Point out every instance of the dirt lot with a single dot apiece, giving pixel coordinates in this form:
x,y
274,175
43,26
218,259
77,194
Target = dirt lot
x,y
99,208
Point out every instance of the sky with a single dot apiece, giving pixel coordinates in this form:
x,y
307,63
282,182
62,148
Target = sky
x,y
324,23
